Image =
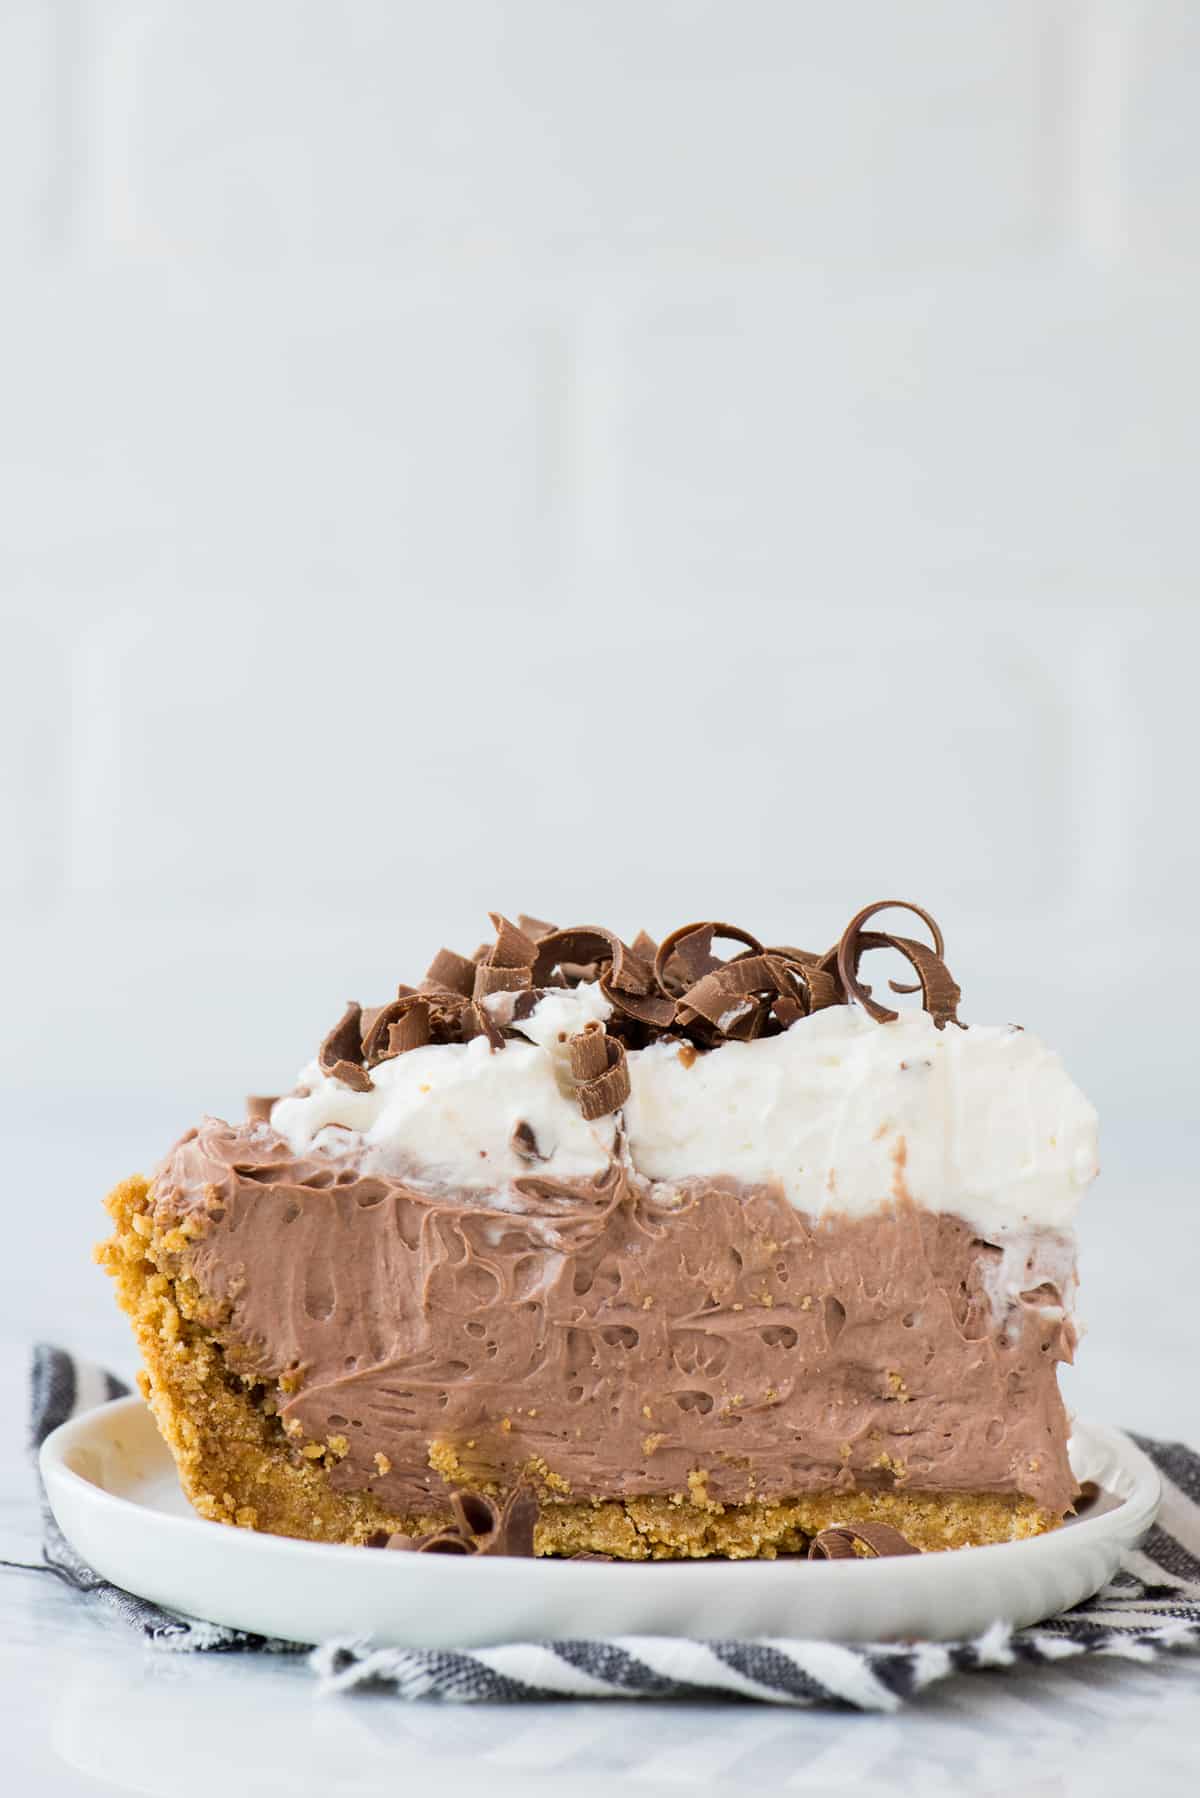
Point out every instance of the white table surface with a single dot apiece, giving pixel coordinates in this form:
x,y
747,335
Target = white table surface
x,y
87,1708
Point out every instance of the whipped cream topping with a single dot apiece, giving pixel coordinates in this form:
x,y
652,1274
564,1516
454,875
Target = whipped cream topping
x,y
845,1113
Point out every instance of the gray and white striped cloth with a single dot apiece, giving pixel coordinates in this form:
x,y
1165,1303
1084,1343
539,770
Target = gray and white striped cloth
x,y
1152,1604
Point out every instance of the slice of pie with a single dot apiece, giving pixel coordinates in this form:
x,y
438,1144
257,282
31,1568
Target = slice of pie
x,y
698,1242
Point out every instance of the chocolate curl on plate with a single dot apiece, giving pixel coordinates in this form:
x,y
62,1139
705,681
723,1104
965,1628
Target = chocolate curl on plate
x,y
939,992
480,1527
600,1071
837,1542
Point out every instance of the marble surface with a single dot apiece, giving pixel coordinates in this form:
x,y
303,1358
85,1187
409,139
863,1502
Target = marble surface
x,y
85,1708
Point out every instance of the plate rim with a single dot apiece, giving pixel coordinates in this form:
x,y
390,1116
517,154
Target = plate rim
x,y
1133,1514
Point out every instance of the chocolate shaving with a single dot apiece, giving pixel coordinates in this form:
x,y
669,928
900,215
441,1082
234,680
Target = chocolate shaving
x,y
824,988
644,947
498,979
409,1032
600,1070
523,1142
740,998
1089,1492
512,948
939,992
837,1542
258,1107
647,1008
588,1052
352,1075
344,1041
525,1004
537,928
725,998
480,1527
450,973
478,1021
506,966
690,947
679,990
586,946
401,1025
450,1017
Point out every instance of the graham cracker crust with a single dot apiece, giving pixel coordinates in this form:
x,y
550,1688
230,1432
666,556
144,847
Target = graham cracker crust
x,y
239,1465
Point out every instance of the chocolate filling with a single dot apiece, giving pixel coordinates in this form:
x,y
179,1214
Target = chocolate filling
x,y
616,1334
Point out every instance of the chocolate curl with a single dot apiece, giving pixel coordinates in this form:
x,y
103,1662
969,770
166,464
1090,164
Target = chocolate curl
x,y
489,979
410,1031
344,1042
587,1052
370,1016
691,948
450,973
518,1519
397,1027
537,928
939,992
626,978
837,1542
821,984
512,948
480,1527
352,1075
600,1071
258,1107
588,945
646,1008
644,947
507,965
738,998
478,1021
728,998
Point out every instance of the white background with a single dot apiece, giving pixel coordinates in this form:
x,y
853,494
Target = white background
x,y
629,462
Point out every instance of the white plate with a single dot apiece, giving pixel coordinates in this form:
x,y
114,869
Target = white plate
x,y
112,1486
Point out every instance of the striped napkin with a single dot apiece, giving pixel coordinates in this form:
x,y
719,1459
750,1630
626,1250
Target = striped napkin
x,y
1151,1604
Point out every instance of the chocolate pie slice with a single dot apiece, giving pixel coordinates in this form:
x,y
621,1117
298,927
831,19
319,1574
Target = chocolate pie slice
x,y
699,1243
